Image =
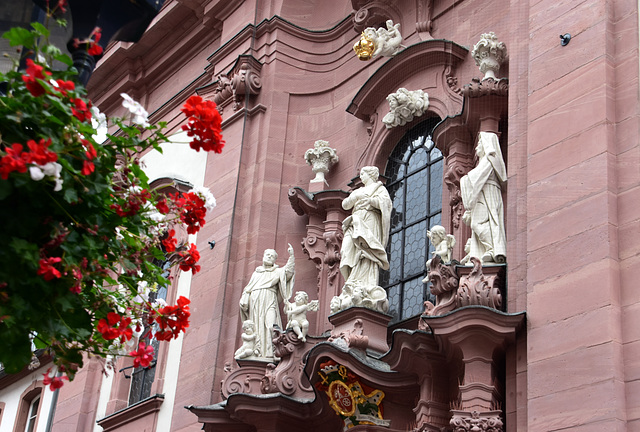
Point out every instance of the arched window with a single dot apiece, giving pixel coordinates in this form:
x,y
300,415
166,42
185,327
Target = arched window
x,y
414,181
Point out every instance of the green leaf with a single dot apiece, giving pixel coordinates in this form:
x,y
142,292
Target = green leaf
x,y
20,36
70,195
40,29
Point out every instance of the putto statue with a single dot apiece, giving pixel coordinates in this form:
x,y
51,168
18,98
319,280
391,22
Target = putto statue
x,y
442,242
404,105
381,41
481,191
250,347
366,233
259,302
297,314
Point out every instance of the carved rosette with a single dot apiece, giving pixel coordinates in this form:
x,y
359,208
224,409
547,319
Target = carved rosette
x,y
478,289
321,157
243,80
404,106
489,54
463,421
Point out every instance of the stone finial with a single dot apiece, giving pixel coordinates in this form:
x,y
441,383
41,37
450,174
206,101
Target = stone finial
x,y
321,157
489,54
375,42
404,105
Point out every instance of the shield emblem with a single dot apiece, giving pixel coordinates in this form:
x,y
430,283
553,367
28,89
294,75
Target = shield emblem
x,y
341,399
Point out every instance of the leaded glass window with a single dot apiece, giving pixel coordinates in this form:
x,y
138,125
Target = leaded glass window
x,y
414,173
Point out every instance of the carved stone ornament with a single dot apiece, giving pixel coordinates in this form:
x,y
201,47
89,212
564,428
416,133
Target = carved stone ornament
x,y
243,80
478,289
287,377
452,179
379,42
444,283
404,105
369,13
489,54
321,157
463,421
486,87
354,338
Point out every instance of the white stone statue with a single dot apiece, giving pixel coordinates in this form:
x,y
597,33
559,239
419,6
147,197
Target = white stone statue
x,y
404,105
387,42
363,253
259,302
442,242
297,314
321,157
481,191
250,345
489,54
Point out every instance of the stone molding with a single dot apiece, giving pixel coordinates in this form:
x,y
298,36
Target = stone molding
x,y
372,13
247,378
489,421
150,405
485,87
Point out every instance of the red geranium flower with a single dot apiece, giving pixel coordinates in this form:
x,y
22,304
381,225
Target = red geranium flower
x,y
173,319
80,109
34,73
47,270
14,160
170,242
87,167
144,356
39,153
55,382
115,326
189,259
204,123
162,206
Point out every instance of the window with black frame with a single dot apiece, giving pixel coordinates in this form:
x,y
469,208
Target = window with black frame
x,y
414,182
142,377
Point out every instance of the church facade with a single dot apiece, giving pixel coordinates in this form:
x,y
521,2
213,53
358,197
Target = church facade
x,y
538,332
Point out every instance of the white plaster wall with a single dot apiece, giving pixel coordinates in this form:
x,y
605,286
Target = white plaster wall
x,y
11,397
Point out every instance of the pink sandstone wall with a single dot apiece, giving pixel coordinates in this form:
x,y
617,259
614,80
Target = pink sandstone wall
x,y
573,191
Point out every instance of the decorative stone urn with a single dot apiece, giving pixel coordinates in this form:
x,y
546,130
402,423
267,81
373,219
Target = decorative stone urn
x,y
321,157
489,54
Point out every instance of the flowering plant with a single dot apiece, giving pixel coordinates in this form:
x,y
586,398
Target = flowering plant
x,y
83,236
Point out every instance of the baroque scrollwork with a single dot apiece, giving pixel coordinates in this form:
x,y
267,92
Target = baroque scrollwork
x,y
452,179
444,284
478,289
242,81
488,86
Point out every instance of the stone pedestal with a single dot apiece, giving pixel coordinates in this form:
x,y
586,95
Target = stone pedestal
x,y
246,379
361,328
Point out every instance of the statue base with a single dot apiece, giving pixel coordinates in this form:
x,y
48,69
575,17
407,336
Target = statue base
x,y
361,328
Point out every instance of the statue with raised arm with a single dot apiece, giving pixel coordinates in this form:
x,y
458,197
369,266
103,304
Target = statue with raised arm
x,y
481,191
269,285
366,233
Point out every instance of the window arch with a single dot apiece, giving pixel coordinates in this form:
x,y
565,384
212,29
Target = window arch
x,y
414,182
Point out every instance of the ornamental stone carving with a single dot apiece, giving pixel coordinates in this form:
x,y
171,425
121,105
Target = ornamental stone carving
x,y
379,42
489,54
369,13
404,106
321,157
475,421
243,80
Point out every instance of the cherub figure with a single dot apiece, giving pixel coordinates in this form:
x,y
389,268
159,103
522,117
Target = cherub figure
x,y
297,314
250,345
442,242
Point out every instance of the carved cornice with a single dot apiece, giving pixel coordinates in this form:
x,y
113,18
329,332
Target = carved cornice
x,y
144,407
246,379
373,13
489,421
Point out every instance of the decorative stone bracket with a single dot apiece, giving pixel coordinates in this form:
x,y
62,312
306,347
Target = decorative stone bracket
x,y
456,286
241,81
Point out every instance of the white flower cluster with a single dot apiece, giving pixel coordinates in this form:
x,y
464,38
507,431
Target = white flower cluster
x,y
140,115
206,195
50,169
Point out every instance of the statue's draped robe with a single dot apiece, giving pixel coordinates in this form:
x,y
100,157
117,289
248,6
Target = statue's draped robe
x,y
264,292
366,233
482,195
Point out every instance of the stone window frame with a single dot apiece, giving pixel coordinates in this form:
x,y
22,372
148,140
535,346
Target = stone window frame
x,y
35,390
